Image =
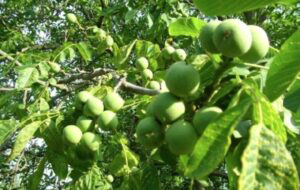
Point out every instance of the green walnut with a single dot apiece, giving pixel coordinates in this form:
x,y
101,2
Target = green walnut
x,y
179,55
84,96
259,47
154,85
149,132
150,109
72,134
94,106
206,36
182,79
167,107
142,63
232,38
90,141
113,101
109,41
84,123
54,67
52,81
163,86
108,120
72,17
181,137
204,116
101,34
167,52
110,178
81,98
147,74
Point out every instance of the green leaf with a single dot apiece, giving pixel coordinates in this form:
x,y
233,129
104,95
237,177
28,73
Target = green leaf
x,y
221,7
7,127
186,27
71,53
123,162
149,50
212,146
233,163
44,106
4,98
292,101
59,164
84,51
91,180
284,68
268,115
130,15
23,138
225,89
44,70
35,179
266,163
293,145
27,76
121,55
150,178
62,57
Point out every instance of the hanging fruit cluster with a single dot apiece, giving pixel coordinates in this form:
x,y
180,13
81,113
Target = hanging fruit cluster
x,y
165,121
82,139
233,38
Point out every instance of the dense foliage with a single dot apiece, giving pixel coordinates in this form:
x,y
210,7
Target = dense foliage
x,y
159,94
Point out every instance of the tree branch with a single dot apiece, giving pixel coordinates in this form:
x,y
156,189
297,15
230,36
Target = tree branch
x,y
6,89
138,89
10,57
86,75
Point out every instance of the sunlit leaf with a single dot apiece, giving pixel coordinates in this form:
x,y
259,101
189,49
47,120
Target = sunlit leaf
x,y
25,134
284,68
7,127
266,163
212,146
27,76
186,27
35,179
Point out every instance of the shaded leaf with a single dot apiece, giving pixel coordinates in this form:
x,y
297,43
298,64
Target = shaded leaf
x,y
91,180
123,162
130,15
150,178
59,164
266,163
35,179
284,68
293,145
23,138
186,27
233,163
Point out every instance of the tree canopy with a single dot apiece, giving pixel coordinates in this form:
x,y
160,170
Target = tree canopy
x,y
125,94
